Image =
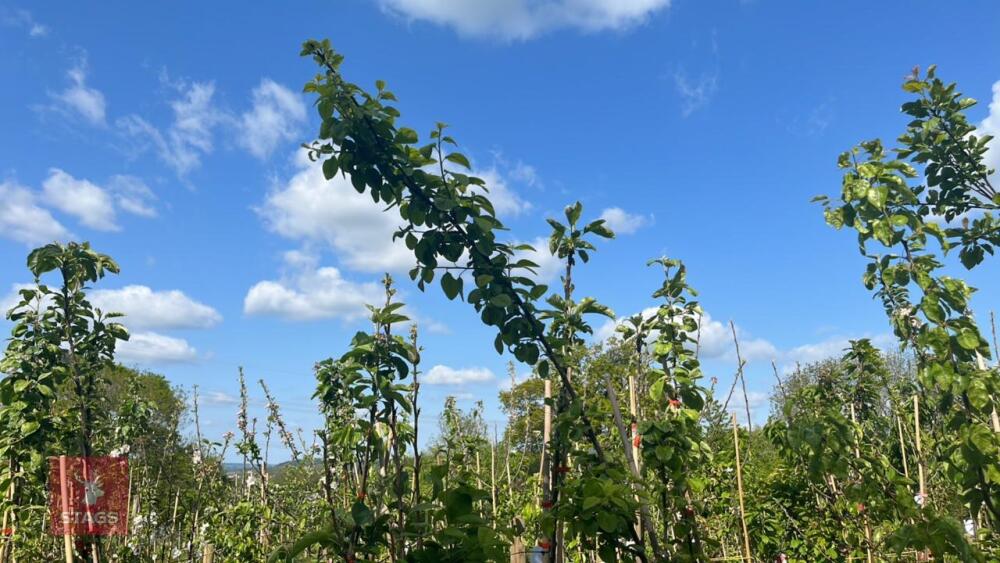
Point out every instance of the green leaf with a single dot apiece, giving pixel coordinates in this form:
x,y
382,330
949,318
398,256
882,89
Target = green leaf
x,y
501,300
607,521
931,306
330,167
406,136
362,514
451,285
979,396
968,339
573,212
460,159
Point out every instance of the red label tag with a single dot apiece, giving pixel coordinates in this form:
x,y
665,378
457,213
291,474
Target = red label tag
x,y
88,495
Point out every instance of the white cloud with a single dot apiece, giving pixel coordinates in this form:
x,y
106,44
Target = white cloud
x,y
220,398
90,203
275,117
310,208
523,19
23,220
133,195
145,308
717,342
444,375
623,222
991,126
832,347
695,94
311,293
190,135
151,347
506,202
549,266
525,173
24,19
78,97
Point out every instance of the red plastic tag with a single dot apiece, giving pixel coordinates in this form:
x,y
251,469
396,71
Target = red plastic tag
x,y
88,495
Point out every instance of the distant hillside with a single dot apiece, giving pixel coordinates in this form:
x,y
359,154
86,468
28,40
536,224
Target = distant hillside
x,y
233,468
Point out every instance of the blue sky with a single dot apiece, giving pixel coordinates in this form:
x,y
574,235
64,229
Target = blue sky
x,y
167,135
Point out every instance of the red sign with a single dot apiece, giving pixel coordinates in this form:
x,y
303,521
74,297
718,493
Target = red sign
x,y
88,495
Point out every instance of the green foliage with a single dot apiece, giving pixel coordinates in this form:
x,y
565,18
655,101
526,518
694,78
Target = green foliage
x,y
831,476
897,222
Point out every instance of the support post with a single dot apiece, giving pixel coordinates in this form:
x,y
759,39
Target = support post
x,y
739,490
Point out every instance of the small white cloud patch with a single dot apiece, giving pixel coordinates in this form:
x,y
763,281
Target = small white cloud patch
x,y
190,135
444,375
145,308
695,94
23,220
312,209
81,99
623,222
311,293
991,126
151,347
88,202
133,195
276,116
524,19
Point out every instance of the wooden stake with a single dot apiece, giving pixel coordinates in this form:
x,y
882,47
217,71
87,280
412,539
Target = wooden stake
x,y
64,490
921,556
739,489
645,522
920,454
8,522
479,470
173,516
517,554
493,474
634,437
546,438
634,413
902,445
208,553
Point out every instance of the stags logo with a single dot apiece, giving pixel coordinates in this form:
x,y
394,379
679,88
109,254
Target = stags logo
x,y
88,495
91,489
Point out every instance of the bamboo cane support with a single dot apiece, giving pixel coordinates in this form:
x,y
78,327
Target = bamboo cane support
x,y
902,446
64,491
739,489
920,454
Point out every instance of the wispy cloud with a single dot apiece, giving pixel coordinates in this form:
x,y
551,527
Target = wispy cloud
x,y
445,375
695,93
623,222
525,19
80,99
191,134
276,116
23,219
24,20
